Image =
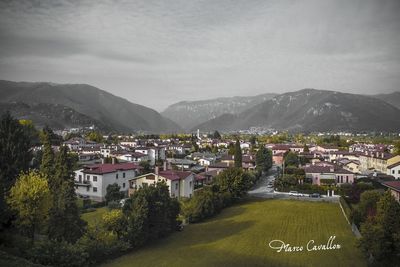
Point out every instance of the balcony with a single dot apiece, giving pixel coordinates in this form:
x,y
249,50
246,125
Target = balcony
x,y
83,183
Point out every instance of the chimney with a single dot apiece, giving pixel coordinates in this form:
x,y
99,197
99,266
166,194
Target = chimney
x,y
331,169
156,170
113,160
377,154
102,160
165,165
383,155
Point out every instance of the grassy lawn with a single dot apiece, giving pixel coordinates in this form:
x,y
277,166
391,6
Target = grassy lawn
x,y
94,217
240,235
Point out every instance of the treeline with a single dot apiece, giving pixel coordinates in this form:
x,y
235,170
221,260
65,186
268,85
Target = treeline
x,y
377,216
227,188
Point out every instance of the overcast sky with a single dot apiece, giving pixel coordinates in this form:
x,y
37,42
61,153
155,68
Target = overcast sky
x,y
156,53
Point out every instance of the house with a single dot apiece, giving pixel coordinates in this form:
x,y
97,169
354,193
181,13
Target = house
x,y
79,143
92,180
153,153
394,170
376,162
325,174
394,187
132,157
206,177
180,183
182,164
350,165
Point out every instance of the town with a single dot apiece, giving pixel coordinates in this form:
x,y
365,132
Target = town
x,y
115,180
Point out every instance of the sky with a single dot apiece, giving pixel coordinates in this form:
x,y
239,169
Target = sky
x,y
157,53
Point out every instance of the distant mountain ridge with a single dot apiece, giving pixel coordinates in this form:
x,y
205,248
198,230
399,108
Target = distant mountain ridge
x,y
100,106
190,113
391,98
311,110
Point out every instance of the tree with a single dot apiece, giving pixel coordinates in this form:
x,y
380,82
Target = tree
x,y
47,165
116,222
231,149
146,168
30,197
367,206
113,193
64,218
216,135
238,155
15,156
396,150
53,138
381,234
291,159
151,213
306,149
95,137
234,181
263,159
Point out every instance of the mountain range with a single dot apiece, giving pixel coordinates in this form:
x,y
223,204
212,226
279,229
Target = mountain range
x,y
191,113
77,105
89,103
311,110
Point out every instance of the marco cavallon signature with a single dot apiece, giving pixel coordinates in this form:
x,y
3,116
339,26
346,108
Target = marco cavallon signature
x,y
311,245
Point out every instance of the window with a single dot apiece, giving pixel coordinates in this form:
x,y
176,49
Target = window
x,y
392,171
398,172
347,179
88,177
94,178
123,175
87,189
116,176
176,186
94,189
190,184
80,178
123,185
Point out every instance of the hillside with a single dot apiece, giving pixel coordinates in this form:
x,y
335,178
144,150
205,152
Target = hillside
x,y
191,113
313,110
56,116
392,98
117,113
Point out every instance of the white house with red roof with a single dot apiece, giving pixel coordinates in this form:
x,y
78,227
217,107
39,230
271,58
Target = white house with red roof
x,y
180,183
92,180
394,170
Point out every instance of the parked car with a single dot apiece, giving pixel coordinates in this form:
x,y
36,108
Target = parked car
x,y
293,193
315,195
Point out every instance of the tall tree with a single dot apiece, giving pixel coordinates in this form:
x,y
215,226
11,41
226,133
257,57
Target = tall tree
x,y
263,159
64,222
238,155
15,156
47,165
30,198
113,193
381,234
233,180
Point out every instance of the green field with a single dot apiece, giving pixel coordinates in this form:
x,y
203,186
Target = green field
x,y
94,217
240,235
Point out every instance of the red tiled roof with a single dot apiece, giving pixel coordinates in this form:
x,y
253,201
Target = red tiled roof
x,y
395,185
174,175
108,168
325,169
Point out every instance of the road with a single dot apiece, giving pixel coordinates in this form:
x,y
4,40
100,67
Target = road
x,y
262,190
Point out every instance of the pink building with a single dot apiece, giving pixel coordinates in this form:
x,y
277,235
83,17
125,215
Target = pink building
x,y
328,175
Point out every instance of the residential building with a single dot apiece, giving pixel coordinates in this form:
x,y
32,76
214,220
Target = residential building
x,y
92,180
180,183
394,170
328,175
376,162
